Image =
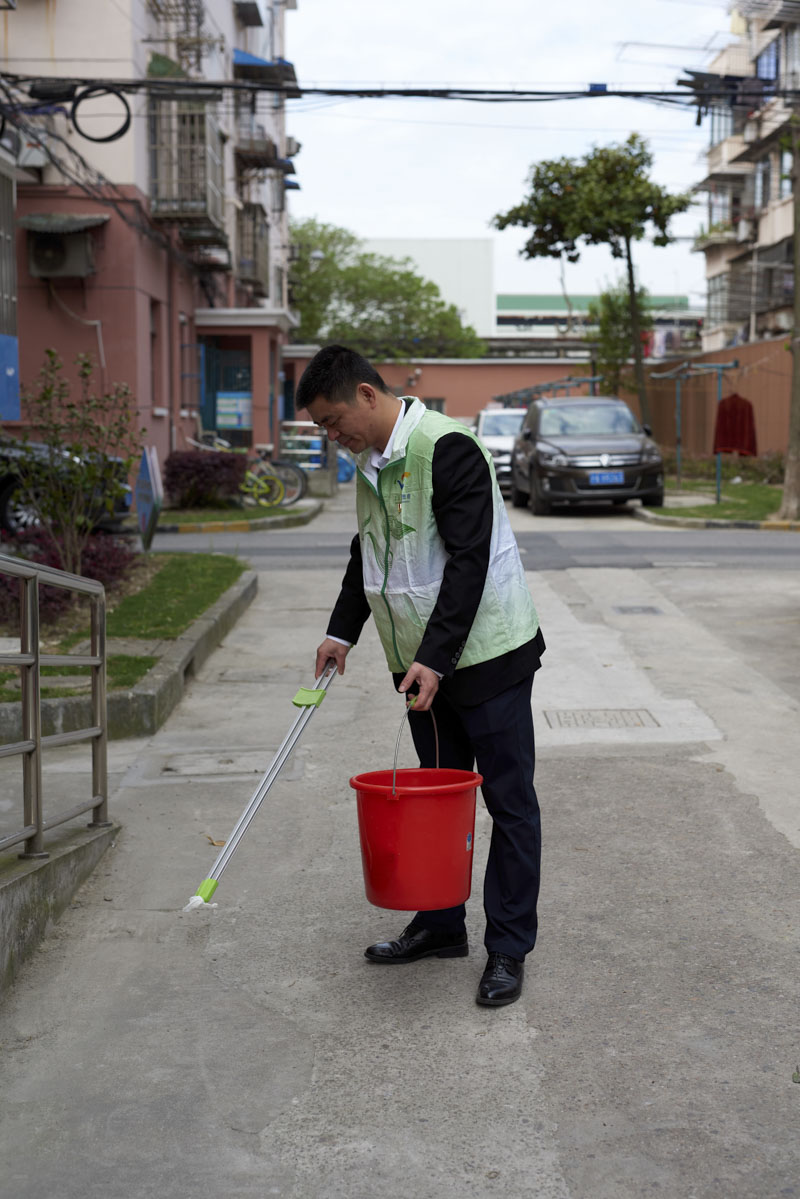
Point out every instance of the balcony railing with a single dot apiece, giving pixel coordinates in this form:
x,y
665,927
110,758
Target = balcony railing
x,y
722,156
186,170
254,146
29,661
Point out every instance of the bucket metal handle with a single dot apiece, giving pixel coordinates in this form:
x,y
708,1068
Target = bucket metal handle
x,y
409,708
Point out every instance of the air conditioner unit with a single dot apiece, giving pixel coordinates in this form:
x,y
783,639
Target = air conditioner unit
x,y
60,255
292,147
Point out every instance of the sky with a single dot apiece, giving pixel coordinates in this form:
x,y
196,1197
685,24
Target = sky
x,y
435,168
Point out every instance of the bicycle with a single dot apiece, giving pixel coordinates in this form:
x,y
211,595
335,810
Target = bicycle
x,y
293,477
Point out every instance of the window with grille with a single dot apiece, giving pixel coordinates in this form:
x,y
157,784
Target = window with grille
x,y
718,299
186,162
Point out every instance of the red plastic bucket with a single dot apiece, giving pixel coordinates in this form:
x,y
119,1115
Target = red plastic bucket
x,y
416,836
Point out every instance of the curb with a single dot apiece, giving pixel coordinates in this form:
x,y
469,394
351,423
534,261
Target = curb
x,y
289,521
699,522
34,893
140,711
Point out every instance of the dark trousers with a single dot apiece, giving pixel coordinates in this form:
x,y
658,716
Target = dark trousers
x,y
496,738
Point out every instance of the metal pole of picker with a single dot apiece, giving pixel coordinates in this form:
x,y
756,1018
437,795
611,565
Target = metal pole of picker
x,y
307,700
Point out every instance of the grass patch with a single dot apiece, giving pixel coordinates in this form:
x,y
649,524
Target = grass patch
x,y
175,590
741,501
767,468
196,516
126,670
183,589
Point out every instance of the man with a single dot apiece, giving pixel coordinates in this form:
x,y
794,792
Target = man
x,y
436,564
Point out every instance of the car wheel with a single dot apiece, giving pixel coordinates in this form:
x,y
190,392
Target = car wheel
x,y
16,514
653,501
539,505
519,499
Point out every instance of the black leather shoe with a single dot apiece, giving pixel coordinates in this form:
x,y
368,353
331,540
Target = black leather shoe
x,y
415,943
501,981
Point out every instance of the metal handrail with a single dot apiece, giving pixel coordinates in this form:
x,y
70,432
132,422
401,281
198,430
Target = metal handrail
x,y
29,661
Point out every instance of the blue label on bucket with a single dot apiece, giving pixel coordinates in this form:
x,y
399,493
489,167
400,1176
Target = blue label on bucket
x,y
469,842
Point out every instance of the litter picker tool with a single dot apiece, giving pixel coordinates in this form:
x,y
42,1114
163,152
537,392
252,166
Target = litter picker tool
x,y
308,699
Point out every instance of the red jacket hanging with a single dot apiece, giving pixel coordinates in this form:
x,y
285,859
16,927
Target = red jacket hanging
x,y
735,429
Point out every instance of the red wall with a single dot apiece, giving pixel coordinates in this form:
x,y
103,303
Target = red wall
x,y
465,386
763,375
132,272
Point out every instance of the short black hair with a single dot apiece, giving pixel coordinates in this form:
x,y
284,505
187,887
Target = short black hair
x,y
334,373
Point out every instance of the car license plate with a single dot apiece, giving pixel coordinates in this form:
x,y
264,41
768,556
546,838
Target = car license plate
x,y
602,478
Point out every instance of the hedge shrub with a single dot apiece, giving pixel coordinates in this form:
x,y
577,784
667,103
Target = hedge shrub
x,y
200,479
105,558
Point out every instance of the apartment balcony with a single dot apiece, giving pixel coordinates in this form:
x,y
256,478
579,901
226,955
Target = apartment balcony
x,y
277,72
783,12
721,234
765,131
722,161
254,147
186,171
252,248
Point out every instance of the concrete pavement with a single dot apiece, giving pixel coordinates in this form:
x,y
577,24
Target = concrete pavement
x,y
251,1050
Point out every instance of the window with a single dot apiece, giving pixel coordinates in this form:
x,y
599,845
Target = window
x,y
785,179
721,123
156,356
587,420
767,63
763,181
717,303
8,258
720,209
791,56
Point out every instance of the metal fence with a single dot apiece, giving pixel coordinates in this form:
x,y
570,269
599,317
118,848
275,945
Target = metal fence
x,y
304,443
29,660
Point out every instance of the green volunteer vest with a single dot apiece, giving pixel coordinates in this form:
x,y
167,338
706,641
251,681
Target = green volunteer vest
x,y
404,556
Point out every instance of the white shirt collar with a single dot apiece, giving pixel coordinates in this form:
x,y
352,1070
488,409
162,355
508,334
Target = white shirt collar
x,y
379,458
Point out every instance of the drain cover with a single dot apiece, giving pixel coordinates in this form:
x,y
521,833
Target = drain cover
x,y
638,610
602,718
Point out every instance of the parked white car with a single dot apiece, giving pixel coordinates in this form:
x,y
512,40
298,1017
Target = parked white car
x,y
497,428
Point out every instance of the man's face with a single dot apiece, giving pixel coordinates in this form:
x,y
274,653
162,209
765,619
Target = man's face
x,y
349,424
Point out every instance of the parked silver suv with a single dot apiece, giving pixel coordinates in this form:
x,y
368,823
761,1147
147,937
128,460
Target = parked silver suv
x,y
582,450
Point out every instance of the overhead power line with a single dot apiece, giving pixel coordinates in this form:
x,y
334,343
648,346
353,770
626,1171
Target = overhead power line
x,y
594,91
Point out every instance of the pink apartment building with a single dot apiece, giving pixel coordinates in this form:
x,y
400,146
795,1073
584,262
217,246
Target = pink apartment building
x,y
162,252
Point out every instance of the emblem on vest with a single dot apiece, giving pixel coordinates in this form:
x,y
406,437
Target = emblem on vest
x,y
401,483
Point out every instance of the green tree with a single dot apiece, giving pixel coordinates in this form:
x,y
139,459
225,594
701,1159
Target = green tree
x,y
77,454
611,334
379,306
604,198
